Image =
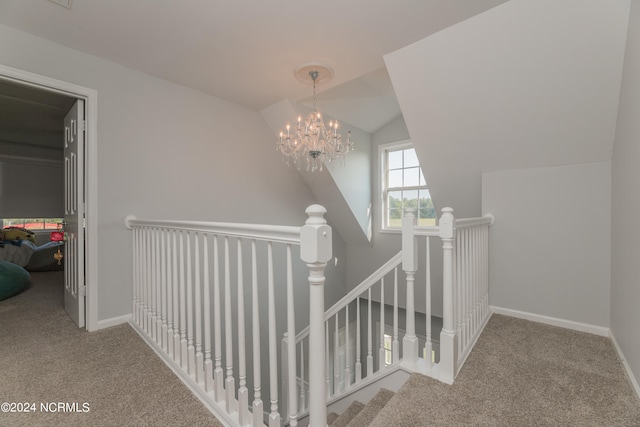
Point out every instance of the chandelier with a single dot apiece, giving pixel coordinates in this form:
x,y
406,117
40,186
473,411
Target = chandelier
x,y
312,142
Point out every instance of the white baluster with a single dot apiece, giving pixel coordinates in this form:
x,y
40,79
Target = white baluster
x,y
347,365
136,279
183,307
428,345
199,357
395,343
230,383
191,351
409,265
158,287
176,298
486,271
243,392
274,416
458,288
149,284
327,358
154,289
286,390
381,351
218,373
302,390
336,357
163,274
358,366
170,285
257,380
291,344
369,338
208,365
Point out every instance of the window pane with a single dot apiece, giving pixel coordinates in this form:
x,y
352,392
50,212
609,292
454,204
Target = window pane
x,y
426,205
410,158
395,178
395,160
410,199
422,180
412,177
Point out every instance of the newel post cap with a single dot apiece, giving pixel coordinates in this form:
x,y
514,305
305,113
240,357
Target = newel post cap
x,y
127,221
315,237
447,223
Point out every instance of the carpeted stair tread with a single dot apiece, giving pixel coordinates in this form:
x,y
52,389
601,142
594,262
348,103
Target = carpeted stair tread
x,y
371,409
331,417
349,414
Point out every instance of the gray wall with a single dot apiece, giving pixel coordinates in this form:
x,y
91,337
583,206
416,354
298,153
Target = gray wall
x,y
31,188
625,292
550,244
364,259
166,151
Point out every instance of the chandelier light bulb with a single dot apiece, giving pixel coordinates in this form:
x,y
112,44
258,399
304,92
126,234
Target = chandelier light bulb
x,y
314,143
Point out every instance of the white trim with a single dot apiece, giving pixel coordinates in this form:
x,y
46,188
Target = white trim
x,y
554,321
90,97
627,368
114,321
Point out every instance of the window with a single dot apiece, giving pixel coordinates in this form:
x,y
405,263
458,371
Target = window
x,y
404,186
32,223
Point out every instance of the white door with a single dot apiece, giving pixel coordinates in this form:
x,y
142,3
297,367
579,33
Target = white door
x,y
74,285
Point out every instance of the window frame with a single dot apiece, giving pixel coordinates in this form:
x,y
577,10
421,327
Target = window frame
x,y
28,220
383,149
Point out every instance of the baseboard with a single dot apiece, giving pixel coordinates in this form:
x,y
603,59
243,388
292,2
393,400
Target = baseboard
x,y
554,321
114,321
627,368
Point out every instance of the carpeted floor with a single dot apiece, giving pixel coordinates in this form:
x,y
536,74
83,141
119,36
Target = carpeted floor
x,y
106,378
519,374
522,373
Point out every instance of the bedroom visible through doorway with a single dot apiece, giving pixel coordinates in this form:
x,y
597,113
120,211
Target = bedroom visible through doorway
x,y
32,132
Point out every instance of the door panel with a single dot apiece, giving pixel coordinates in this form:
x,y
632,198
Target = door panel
x,y
74,290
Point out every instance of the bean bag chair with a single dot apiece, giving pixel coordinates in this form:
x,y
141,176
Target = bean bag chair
x,y
13,279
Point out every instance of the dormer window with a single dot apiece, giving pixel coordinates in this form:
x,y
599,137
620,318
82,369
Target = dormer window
x,y
403,186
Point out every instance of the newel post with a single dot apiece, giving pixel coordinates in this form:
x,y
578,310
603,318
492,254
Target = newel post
x,y
448,341
316,251
410,265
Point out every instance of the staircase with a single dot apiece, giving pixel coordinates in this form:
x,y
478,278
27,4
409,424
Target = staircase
x,y
218,302
359,414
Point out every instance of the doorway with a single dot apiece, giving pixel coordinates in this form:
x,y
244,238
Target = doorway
x,y
46,85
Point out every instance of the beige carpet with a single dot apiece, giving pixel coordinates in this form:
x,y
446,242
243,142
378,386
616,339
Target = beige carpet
x,y
522,373
519,374
45,358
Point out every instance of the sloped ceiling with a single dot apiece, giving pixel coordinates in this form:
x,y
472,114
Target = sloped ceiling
x,y
529,83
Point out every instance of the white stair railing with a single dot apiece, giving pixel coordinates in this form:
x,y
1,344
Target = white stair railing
x,y
190,292
353,319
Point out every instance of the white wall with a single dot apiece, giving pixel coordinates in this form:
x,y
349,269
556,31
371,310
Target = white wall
x,y
550,244
31,188
364,259
625,292
529,83
344,186
165,151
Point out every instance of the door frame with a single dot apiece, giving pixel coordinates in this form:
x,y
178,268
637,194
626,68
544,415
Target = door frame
x,y
90,97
